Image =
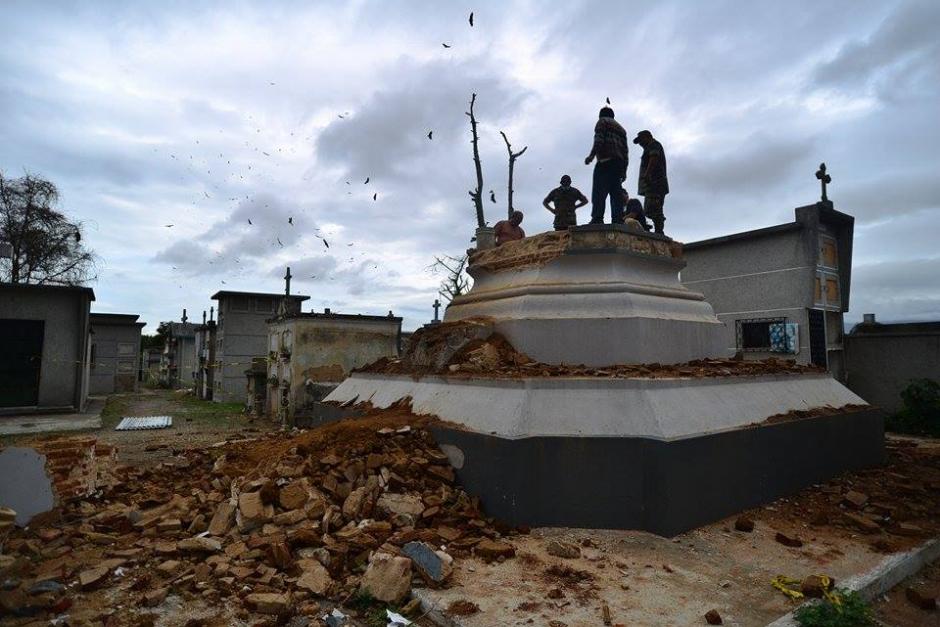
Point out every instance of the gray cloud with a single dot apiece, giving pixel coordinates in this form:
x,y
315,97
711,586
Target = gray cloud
x,y
904,43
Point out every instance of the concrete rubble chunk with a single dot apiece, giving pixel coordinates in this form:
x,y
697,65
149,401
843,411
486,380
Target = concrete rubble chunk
x,y
493,549
314,577
745,524
92,577
268,602
155,597
222,520
434,566
855,499
406,505
562,549
252,512
358,504
295,494
199,544
712,617
387,578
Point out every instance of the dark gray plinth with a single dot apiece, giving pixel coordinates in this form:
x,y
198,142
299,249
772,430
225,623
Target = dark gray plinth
x,y
665,487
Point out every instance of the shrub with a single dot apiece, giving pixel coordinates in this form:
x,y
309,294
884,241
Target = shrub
x,y
850,610
920,414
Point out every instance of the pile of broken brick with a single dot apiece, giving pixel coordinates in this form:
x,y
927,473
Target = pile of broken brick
x,y
494,356
283,525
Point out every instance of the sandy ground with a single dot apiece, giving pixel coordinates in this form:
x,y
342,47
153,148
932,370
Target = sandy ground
x,y
895,610
649,580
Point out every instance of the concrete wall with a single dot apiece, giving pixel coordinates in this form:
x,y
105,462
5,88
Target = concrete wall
x,y
65,312
116,354
880,366
242,334
311,353
759,277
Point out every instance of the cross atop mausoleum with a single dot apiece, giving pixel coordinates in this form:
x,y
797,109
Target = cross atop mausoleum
x,y
287,278
824,179
437,308
184,316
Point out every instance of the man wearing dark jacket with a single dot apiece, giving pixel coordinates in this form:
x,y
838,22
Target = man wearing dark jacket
x,y
653,182
610,149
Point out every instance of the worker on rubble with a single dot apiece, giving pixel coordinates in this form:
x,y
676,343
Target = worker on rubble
x,y
653,182
610,149
509,230
567,201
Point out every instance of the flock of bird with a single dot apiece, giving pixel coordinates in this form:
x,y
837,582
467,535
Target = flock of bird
x,y
198,169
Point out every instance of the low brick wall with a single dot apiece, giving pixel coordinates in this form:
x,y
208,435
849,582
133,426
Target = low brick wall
x,y
78,465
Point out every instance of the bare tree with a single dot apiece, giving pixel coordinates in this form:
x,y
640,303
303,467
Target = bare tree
x,y
455,280
477,194
47,246
512,162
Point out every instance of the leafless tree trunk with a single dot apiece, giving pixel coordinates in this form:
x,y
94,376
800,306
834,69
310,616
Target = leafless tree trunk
x,y
455,281
46,246
477,194
512,162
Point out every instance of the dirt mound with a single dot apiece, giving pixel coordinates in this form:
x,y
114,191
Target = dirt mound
x,y
262,525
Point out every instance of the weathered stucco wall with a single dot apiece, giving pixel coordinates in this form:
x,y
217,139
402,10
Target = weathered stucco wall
x,y
65,339
881,366
115,357
310,353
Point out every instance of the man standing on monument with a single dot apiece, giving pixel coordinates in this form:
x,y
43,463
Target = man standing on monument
x,y
610,149
653,183
509,230
567,200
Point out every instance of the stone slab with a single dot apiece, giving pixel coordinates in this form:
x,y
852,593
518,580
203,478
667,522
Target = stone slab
x,y
665,487
662,409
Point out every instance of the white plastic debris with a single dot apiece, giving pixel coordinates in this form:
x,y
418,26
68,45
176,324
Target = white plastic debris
x,y
396,620
136,423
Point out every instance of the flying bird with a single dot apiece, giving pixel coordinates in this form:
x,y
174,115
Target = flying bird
x,y
375,196
340,116
280,243
492,196
290,220
445,45
429,134
366,181
608,100
249,220
326,243
471,19
168,225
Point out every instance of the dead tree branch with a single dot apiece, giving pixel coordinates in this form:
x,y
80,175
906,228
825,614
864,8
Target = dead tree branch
x,y
512,162
455,280
477,194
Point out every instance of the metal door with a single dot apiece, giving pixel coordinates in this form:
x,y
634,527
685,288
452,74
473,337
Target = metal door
x,y
20,362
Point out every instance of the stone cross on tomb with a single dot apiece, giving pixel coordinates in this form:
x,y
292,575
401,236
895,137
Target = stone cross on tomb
x,y
184,317
437,307
203,317
824,179
211,314
287,278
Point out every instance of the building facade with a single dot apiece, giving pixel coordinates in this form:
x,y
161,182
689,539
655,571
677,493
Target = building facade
x,y
883,359
115,353
205,359
242,334
178,361
310,353
44,348
781,290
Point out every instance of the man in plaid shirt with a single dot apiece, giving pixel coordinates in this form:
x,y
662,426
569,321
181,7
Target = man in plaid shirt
x,y
610,149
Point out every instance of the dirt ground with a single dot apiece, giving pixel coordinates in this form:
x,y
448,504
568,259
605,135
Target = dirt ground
x,y
196,424
641,579
896,610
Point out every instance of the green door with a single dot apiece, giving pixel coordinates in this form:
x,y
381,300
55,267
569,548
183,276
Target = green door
x,y
20,361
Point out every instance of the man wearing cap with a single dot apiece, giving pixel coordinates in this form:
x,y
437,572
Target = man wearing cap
x,y
567,200
653,183
610,148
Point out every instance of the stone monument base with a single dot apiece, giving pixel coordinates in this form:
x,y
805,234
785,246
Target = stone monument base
x,y
663,455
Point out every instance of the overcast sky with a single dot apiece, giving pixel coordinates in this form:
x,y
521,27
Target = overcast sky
x,y
208,115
